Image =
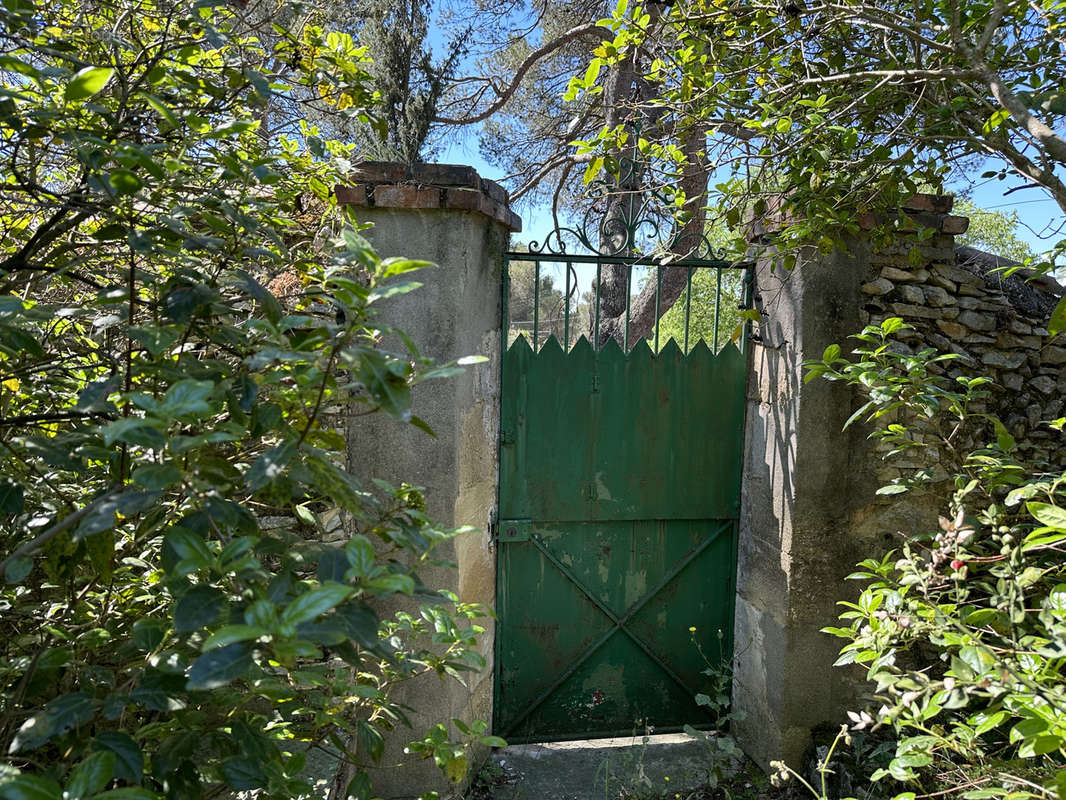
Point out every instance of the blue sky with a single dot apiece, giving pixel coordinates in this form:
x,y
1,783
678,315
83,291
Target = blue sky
x,y
1039,216
1035,210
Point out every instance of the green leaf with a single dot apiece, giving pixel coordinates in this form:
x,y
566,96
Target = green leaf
x,y
392,582
129,762
156,340
390,390
359,623
18,569
831,354
1057,324
455,768
12,496
91,775
148,633
136,431
361,556
979,659
1047,514
304,514
229,634
315,602
894,488
332,564
87,82
1028,729
392,290
998,118
57,717
219,667
1003,438
1043,745
243,773
188,545
891,325
123,181
392,267
156,476
200,606
187,398
30,787
592,72
271,307
359,787
370,740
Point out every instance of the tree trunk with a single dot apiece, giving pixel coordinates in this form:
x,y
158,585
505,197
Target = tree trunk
x,y
642,316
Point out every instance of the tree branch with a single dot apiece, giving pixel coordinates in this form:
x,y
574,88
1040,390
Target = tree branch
x,y
28,419
526,65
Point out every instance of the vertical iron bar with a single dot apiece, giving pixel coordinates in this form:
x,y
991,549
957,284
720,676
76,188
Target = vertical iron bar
x,y
746,293
596,333
658,294
566,312
629,282
717,303
536,303
688,305
505,306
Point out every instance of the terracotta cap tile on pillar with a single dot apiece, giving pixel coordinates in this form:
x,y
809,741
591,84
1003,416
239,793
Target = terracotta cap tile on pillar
x,y
387,184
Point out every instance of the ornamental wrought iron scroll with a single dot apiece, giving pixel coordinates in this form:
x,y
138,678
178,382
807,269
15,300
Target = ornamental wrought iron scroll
x,y
638,224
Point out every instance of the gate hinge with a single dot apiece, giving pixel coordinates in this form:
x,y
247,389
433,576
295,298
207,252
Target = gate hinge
x,y
493,527
507,436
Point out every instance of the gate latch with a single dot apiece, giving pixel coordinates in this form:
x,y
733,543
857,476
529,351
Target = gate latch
x,y
515,530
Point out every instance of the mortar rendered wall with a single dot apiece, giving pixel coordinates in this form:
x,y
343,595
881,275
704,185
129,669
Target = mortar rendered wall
x,y
456,313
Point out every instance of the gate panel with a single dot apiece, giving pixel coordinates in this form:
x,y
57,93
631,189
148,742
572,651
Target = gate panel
x,y
619,492
606,435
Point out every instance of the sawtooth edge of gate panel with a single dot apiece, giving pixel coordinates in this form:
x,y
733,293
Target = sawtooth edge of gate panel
x,y
603,451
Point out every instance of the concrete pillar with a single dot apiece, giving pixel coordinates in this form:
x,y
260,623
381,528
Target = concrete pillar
x,y
808,510
448,215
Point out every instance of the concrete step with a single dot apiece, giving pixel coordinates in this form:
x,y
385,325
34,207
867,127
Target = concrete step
x,y
654,766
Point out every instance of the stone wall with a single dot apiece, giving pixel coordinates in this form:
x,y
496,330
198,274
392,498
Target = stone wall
x,y
809,511
957,302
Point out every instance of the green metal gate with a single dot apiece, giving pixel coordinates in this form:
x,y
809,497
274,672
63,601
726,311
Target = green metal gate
x,y
619,497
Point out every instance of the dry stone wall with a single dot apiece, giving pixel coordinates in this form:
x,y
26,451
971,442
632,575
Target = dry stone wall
x,y
957,302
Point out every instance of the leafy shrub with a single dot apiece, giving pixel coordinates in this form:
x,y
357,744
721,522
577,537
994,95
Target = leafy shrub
x,y
172,623
962,631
